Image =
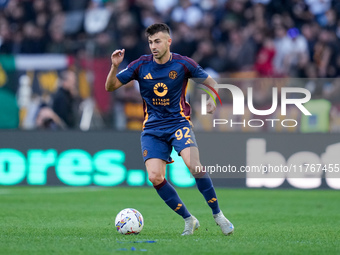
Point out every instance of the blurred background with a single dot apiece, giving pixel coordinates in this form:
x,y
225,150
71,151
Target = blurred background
x,y
55,56
59,127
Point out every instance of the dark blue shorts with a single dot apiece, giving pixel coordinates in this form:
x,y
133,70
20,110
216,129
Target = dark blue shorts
x,y
158,143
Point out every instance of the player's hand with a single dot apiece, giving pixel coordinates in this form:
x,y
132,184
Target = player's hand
x,y
117,57
211,107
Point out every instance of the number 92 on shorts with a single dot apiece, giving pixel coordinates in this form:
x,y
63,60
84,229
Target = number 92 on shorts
x,y
158,143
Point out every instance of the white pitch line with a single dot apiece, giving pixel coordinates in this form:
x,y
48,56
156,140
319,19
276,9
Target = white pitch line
x,y
49,190
4,192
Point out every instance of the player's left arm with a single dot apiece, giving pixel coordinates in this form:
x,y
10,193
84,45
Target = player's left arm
x,y
211,107
197,73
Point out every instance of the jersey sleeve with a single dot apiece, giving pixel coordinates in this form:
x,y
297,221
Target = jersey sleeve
x,y
128,74
195,69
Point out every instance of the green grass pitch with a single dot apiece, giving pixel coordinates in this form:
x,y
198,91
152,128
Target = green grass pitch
x,y
66,220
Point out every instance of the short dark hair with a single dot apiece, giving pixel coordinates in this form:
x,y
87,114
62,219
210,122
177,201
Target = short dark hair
x,y
155,28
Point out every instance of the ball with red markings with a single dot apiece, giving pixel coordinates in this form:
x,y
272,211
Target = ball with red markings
x,y
129,221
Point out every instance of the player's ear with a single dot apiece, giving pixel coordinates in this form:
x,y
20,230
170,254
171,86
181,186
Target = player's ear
x,y
169,41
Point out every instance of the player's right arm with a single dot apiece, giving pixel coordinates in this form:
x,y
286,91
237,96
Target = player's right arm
x,y
112,82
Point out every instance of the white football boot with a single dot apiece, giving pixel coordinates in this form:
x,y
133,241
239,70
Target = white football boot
x,y
226,226
191,224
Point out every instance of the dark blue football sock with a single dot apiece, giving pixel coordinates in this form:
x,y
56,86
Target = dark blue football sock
x,y
205,186
171,198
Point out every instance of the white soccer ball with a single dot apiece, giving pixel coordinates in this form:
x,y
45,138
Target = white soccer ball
x,y
129,221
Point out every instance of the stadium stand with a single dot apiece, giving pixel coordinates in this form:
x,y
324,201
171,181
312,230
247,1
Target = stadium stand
x,y
230,38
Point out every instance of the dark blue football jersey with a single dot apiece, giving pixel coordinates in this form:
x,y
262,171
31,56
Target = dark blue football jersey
x,y
163,88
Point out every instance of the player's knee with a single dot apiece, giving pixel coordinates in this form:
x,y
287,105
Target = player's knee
x,y
195,168
156,179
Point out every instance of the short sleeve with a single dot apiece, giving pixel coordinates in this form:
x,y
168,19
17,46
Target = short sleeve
x,y
195,69
126,75
198,72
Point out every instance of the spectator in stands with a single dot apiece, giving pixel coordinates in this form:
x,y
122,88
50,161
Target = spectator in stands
x,y
48,119
129,41
188,13
57,43
16,46
240,53
206,56
299,11
297,52
331,19
34,39
5,37
322,53
319,8
65,98
264,59
292,52
183,40
309,31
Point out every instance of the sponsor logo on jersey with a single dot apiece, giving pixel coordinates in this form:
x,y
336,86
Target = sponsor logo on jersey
x,y
160,89
148,77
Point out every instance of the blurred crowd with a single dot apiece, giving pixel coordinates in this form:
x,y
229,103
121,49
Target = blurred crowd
x,y
228,38
298,38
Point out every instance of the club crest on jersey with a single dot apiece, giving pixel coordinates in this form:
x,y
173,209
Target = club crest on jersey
x,y
173,75
160,89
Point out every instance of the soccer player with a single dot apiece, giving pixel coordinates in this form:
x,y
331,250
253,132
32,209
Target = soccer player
x,y
163,78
